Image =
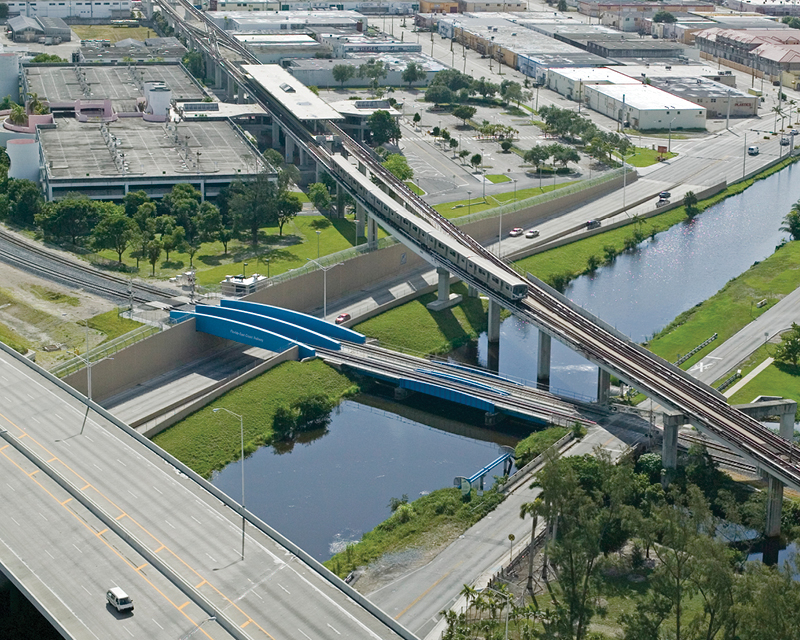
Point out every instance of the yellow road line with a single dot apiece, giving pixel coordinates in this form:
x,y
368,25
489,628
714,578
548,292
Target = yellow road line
x,y
425,593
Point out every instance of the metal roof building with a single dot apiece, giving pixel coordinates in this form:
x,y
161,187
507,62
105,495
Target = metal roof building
x,y
291,93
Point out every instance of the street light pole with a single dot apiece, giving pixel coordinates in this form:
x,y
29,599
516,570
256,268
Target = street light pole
x,y
469,201
324,285
744,156
241,433
318,234
244,270
669,142
515,193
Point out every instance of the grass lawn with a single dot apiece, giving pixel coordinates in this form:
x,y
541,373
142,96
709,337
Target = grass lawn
x,y
48,295
110,32
207,442
645,156
732,307
776,380
430,521
112,324
414,188
299,241
13,339
414,328
496,178
460,208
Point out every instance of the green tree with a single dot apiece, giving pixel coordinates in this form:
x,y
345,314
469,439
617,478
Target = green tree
x,y
398,165
320,196
209,222
193,61
73,217
511,91
413,73
690,204
45,57
438,94
788,351
3,10
791,222
374,71
506,145
18,115
562,6
174,239
343,72
383,127
153,253
664,16
463,154
133,200
453,143
114,231
537,155
25,201
486,88
287,206
252,206
464,112
417,118
476,160
564,154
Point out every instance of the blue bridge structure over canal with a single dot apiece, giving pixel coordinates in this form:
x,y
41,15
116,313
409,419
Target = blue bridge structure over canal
x,y
279,329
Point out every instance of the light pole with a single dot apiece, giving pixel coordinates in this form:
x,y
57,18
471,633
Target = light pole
x,y
508,604
744,156
241,431
244,270
469,201
669,141
515,193
500,233
324,285
318,233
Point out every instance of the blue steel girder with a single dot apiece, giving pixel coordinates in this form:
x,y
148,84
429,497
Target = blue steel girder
x,y
439,391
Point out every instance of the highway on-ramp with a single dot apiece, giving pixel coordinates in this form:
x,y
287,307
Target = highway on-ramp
x,y
85,509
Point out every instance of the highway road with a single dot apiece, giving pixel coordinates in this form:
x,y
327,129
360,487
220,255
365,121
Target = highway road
x,y
417,598
87,509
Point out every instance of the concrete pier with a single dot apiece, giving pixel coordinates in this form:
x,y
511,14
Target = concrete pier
x,y
543,361
493,331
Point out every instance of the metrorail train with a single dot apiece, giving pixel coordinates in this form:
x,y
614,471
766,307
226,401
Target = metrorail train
x,y
433,240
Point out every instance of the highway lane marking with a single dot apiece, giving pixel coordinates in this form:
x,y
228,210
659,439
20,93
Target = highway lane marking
x,y
170,524
255,593
51,460
121,462
157,489
428,590
58,416
15,522
8,485
244,624
30,396
184,604
76,546
35,420
85,487
158,625
139,568
66,501
120,516
284,588
33,473
96,467
83,586
88,438
305,634
332,627
130,633
108,545
213,559
100,533
133,494
200,585
159,549
196,520
43,518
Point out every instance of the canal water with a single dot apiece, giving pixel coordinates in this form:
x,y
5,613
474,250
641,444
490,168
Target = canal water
x,y
643,291
330,490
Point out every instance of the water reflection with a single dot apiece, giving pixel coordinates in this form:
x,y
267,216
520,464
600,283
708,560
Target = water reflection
x,y
323,496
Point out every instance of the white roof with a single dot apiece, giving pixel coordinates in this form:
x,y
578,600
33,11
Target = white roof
x,y
292,93
593,75
644,97
269,38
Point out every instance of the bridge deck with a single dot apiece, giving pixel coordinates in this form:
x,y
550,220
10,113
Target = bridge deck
x,y
87,511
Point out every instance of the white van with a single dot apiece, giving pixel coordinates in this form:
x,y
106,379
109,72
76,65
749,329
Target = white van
x,y
120,600
752,151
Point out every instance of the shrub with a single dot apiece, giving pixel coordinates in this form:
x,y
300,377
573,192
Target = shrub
x,y
536,443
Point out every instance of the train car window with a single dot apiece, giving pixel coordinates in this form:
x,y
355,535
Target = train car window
x,y
414,227
405,222
495,279
481,271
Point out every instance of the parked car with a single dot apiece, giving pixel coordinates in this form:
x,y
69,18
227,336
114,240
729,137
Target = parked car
x,y
592,224
532,233
342,317
120,600
785,141
516,232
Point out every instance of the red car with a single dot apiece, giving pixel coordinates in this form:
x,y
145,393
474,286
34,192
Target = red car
x,y
342,317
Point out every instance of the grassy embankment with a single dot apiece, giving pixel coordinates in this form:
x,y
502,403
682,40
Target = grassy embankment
x,y
430,521
536,444
206,442
460,208
645,156
414,328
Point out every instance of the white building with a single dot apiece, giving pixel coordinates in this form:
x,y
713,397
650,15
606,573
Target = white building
x,y
570,82
273,21
645,107
72,9
275,48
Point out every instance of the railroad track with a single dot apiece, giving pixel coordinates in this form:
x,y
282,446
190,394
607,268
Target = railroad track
x,y
52,266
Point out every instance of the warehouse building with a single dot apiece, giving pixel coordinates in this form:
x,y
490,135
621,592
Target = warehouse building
x,y
319,72
275,48
718,99
344,45
570,82
298,21
643,107
72,9
24,29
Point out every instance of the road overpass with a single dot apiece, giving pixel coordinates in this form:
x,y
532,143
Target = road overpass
x,y
89,504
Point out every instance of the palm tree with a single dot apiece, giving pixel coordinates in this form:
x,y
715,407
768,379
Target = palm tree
x,y
791,222
18,115
778,112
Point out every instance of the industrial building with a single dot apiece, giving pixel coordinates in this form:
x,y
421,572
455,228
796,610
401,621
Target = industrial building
x,y
24,29
643,71
129,50
302,21
570,82
344,45
718,99
72,9
276,48
319,72
596,8
643,107
766,7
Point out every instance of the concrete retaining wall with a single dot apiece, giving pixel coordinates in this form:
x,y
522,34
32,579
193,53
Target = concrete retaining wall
x,y
146,359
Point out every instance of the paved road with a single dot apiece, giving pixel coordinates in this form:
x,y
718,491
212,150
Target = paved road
x,y
417,598
66,548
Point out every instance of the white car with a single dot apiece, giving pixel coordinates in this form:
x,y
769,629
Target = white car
x,y
532,233
516,232
120,600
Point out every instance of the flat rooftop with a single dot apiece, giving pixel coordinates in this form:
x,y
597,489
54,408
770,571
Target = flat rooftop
x,y
593,75
276,39
292,93
644,97
60,84
394,61
674,71
698,88
73,150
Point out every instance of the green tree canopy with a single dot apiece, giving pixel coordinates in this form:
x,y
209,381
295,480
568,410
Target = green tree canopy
x,y
791,222
413,73
114,231
788,351
464,112
438,94
343,72
664,16
73,217
320,196
397,164
383,127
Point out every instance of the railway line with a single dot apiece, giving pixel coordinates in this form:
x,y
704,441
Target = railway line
x,y
550,311
49,264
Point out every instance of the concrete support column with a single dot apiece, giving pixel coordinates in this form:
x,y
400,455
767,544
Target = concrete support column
x,y
543,362
289,156
787,425
493,332
669,446
603,386
339,200
472,292
361,219
772,526
444,284
217,76
372,232
276,134
317,170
